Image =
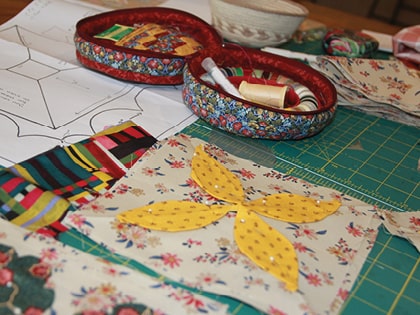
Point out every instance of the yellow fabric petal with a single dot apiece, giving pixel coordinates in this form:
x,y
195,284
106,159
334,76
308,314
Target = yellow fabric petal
x,y
293,208
215,179
174,215
267,248
264,245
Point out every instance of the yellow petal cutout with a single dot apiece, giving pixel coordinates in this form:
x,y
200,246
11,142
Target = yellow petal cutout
x,y
293,208
267,247
256,239
215,179
174,215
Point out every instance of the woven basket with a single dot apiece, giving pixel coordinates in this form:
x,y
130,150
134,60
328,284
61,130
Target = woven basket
x,y
257,23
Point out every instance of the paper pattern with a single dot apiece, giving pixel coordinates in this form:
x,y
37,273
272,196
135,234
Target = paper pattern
x,y
48,99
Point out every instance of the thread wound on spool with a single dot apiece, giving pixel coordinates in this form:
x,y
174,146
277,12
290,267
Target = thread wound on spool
x,y
264,94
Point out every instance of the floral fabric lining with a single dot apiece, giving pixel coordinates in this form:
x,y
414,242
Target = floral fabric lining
x,y
67,281
257,240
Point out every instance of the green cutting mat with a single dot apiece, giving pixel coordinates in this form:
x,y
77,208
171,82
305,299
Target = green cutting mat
x,y
370,158
367,157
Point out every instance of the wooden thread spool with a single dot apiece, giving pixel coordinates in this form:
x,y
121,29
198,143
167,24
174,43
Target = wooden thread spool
x,y
269,95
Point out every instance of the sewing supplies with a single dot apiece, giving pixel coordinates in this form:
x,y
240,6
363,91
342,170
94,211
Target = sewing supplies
x,y
264,94
261,93
341,42
308,101
213,70
290,54
151,49
152,37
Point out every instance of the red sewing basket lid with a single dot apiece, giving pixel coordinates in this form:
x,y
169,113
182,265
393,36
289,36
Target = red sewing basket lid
x,y
142,66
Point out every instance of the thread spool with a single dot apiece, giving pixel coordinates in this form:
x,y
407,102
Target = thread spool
x,y
308,100
264,94
303,107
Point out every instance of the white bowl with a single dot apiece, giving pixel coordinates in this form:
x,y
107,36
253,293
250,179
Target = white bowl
x,y
257,23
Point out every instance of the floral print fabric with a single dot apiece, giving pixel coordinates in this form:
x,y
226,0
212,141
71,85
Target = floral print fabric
x,y
385,88
265,246
39,275
330,252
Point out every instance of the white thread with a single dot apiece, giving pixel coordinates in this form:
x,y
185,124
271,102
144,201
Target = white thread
x,y
210,66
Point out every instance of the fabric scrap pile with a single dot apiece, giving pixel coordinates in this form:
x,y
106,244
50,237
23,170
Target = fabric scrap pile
x,y
384,88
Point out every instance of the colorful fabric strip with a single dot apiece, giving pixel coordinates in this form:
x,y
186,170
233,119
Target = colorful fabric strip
x,y
36,193
47,209
26,204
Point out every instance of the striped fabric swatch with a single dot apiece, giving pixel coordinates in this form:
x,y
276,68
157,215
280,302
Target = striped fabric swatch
x,y
26,204
37,192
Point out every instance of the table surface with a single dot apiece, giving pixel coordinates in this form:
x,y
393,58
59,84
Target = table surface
x,y
329,16
389,281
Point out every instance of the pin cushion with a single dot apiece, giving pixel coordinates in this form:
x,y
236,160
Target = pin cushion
x,y
146,45
242,117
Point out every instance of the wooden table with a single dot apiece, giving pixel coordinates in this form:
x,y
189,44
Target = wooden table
x,y
337,18
330,17
9,8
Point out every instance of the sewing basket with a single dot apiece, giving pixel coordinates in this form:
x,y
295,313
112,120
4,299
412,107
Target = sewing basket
x,y
208,101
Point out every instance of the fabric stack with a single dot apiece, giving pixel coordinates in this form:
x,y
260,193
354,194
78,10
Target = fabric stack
x,y
385,88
